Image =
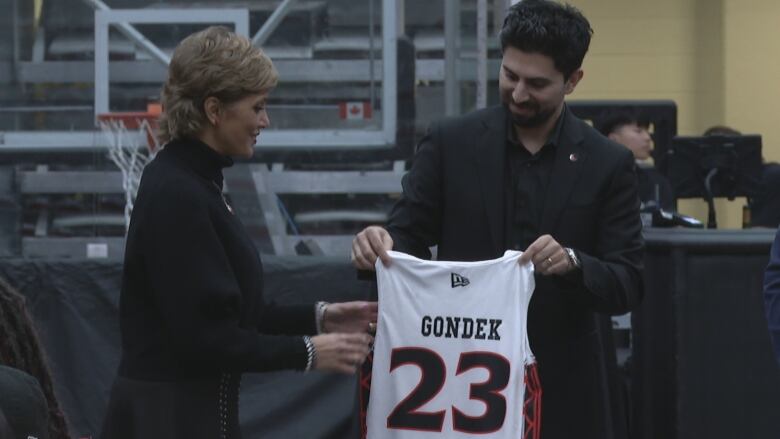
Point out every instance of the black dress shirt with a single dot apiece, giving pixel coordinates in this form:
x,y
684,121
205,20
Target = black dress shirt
x,y
527,175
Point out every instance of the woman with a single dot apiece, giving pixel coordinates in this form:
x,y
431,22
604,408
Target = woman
x,y
191,307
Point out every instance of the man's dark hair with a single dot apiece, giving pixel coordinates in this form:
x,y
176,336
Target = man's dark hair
x,y
610,121
721,130
557,30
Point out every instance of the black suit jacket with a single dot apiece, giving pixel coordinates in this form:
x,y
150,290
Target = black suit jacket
x,y
453,197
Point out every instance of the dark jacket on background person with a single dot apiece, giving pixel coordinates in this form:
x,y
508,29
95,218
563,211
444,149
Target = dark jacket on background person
x,y
22,405
5,428
192,313
772,294
454,197
765,208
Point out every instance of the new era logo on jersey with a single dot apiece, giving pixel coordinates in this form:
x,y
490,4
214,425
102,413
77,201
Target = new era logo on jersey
x,y
458,280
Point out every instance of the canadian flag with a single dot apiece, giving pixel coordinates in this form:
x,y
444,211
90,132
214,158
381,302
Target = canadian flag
x,y
355,110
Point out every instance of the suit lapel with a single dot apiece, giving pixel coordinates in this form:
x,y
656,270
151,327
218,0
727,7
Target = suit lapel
x,y
489,157
566,172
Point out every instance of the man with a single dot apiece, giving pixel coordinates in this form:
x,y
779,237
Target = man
x,y
630,130
529,175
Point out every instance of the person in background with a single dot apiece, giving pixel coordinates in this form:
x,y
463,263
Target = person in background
x,y
192,313
5,427
772,294
630,129
721,130
22,405
27,371
529,175
765,205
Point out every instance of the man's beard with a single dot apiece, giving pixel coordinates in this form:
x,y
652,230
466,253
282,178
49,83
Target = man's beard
x,y
534,120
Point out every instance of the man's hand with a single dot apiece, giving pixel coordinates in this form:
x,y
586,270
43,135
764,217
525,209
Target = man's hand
x,y
548,257
356,316
373,242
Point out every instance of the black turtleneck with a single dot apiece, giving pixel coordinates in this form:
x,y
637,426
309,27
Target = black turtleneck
x,y
191,304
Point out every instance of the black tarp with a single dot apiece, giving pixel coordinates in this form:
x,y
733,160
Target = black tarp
x,y
75,306
703,363
702,359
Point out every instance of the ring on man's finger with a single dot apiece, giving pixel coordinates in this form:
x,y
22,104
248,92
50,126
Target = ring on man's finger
x,y
549,261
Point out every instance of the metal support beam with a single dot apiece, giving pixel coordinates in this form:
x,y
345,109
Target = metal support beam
x,y
70,182
272,23
371,55
50,141
482,53
132,33
389,70
93,247
316,71
499,12
451,55
16,37
400,28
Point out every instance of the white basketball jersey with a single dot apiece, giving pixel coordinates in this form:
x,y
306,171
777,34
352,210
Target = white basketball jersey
x,y
451,350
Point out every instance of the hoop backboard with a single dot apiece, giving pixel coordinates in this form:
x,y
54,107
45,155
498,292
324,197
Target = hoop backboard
x,y
354,121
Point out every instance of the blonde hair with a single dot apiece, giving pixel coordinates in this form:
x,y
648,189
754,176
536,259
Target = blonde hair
x,y
213,62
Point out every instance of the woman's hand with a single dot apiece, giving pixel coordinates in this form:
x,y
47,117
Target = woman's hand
x,y
368,245
357,316
342,353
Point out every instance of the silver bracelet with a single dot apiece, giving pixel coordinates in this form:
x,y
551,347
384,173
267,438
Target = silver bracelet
x,y
311,353
319,315
574,260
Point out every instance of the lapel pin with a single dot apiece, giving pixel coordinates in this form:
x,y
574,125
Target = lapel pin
x,y
572,157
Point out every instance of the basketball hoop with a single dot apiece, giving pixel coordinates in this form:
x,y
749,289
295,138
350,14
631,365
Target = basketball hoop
x,y
125,134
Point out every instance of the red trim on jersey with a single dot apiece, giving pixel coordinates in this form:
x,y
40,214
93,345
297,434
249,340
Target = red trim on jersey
x,y
364,391
532,406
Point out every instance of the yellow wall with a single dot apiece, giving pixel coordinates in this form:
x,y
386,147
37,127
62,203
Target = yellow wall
x,y
752,69
719,60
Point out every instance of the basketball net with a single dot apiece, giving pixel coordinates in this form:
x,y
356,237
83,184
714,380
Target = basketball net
x,y
132,144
